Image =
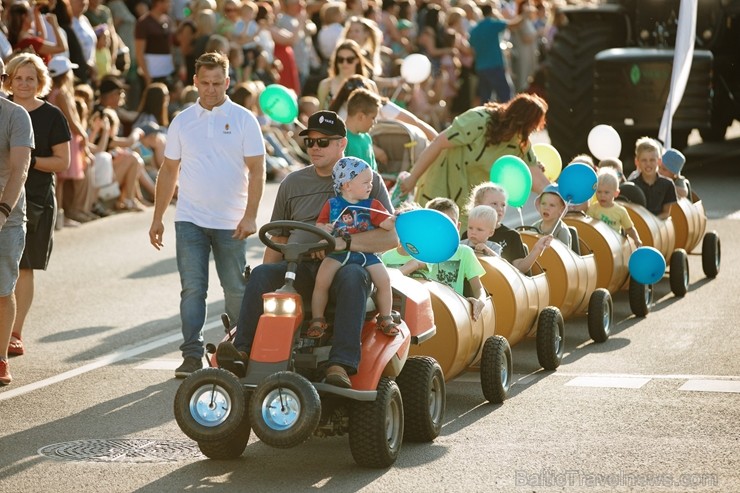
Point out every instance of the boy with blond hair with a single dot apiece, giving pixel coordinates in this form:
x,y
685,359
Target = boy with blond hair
x,y
606,210
660,193
482,224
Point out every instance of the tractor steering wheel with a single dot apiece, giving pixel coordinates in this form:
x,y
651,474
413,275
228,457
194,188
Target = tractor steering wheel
x,y
293,252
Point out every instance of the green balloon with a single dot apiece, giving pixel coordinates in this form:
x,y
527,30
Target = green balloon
x,y
513,174
279,103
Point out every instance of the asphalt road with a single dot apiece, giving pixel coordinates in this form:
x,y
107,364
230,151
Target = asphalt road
x,y
655,408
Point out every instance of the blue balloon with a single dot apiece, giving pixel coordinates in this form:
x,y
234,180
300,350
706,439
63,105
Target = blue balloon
x,y
427,235
577,183
647,265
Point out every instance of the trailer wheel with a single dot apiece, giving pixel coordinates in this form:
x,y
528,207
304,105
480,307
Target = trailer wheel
x,y
711,254
496,369
550,336
641,298
600,315
679,272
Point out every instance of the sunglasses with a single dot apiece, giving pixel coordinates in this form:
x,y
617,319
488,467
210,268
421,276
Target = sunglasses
x,y
323,142
349,59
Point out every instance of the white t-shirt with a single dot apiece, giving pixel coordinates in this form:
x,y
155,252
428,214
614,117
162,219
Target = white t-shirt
x,y
86,36
211,147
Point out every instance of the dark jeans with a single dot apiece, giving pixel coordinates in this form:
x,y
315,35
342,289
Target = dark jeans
x,y
494,80
349,291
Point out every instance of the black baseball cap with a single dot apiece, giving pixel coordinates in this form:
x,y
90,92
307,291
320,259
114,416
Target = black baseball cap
x,y
326,122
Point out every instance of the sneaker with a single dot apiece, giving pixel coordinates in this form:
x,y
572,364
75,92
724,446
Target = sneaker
x,y
188,366
230,358
5,377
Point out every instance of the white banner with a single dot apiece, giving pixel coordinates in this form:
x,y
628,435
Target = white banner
x,y
682,58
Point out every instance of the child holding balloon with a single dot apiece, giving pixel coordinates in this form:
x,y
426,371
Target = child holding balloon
x,y
463,265
352,211
551,206
608,211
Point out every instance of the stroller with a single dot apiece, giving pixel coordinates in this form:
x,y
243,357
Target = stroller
x,y
402,143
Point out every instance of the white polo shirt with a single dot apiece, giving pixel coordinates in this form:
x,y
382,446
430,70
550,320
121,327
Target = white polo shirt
x,y
211,147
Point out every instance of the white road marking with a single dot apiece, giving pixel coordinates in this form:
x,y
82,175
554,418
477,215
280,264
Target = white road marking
x,y
608,382
159,364
712,386
106,360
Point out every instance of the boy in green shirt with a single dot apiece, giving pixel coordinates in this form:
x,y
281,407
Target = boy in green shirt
x,y
362,110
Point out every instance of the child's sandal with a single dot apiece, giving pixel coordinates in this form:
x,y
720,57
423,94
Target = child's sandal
x,y
387,326
316,328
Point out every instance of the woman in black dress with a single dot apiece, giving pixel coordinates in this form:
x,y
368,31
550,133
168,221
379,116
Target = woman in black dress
x,y
27,82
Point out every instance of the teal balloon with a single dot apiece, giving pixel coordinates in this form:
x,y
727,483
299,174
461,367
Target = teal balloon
x,y
427,235
647,265
577,183
514,176
279,103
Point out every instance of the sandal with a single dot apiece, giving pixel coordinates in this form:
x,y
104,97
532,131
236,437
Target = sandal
x,y
15,347
387,326
337,376
316,328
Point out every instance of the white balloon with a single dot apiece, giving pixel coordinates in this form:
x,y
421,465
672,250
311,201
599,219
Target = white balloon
x,y
604,142
416,68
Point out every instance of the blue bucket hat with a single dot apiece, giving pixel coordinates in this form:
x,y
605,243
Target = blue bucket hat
x,y
674,161
345,170
552,188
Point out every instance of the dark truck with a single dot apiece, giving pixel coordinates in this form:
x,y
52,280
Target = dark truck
x,y
611,64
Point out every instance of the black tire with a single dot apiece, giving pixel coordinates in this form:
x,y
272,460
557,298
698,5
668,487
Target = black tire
x,y
679,273
284,410
230,448
641,298
570,77
711,254
422,386
376,428
496,369
210,405
550,337
600,315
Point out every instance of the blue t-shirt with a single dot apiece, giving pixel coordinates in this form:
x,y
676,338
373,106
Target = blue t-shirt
x,y
485,40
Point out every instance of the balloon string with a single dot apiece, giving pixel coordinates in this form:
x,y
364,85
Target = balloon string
x,y
334,224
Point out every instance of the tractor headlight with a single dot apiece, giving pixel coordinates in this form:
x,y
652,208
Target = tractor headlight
x,y
279,306
271,305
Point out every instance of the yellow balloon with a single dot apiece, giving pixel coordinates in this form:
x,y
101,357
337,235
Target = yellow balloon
x,y
550,159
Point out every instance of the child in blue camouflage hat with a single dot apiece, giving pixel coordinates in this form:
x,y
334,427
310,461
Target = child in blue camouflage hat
x,y
352,211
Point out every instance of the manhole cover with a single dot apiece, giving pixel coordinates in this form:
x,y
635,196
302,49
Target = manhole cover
x,y
122,450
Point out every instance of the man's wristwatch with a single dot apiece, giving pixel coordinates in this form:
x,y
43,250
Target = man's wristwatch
x,y
347,240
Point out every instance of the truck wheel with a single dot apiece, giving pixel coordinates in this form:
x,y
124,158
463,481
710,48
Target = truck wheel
x,y
679,272
496,369
284,410
422,386
711,254
570,79
600,315
550,335
210,405
229,448
376,428
641,298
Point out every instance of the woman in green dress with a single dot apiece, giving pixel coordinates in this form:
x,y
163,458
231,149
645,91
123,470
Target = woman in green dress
x,y
461,156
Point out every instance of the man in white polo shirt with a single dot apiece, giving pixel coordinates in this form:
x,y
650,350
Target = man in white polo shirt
x,y
217,151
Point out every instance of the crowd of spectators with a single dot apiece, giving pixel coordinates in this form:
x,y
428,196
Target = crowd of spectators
x,y
121,69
